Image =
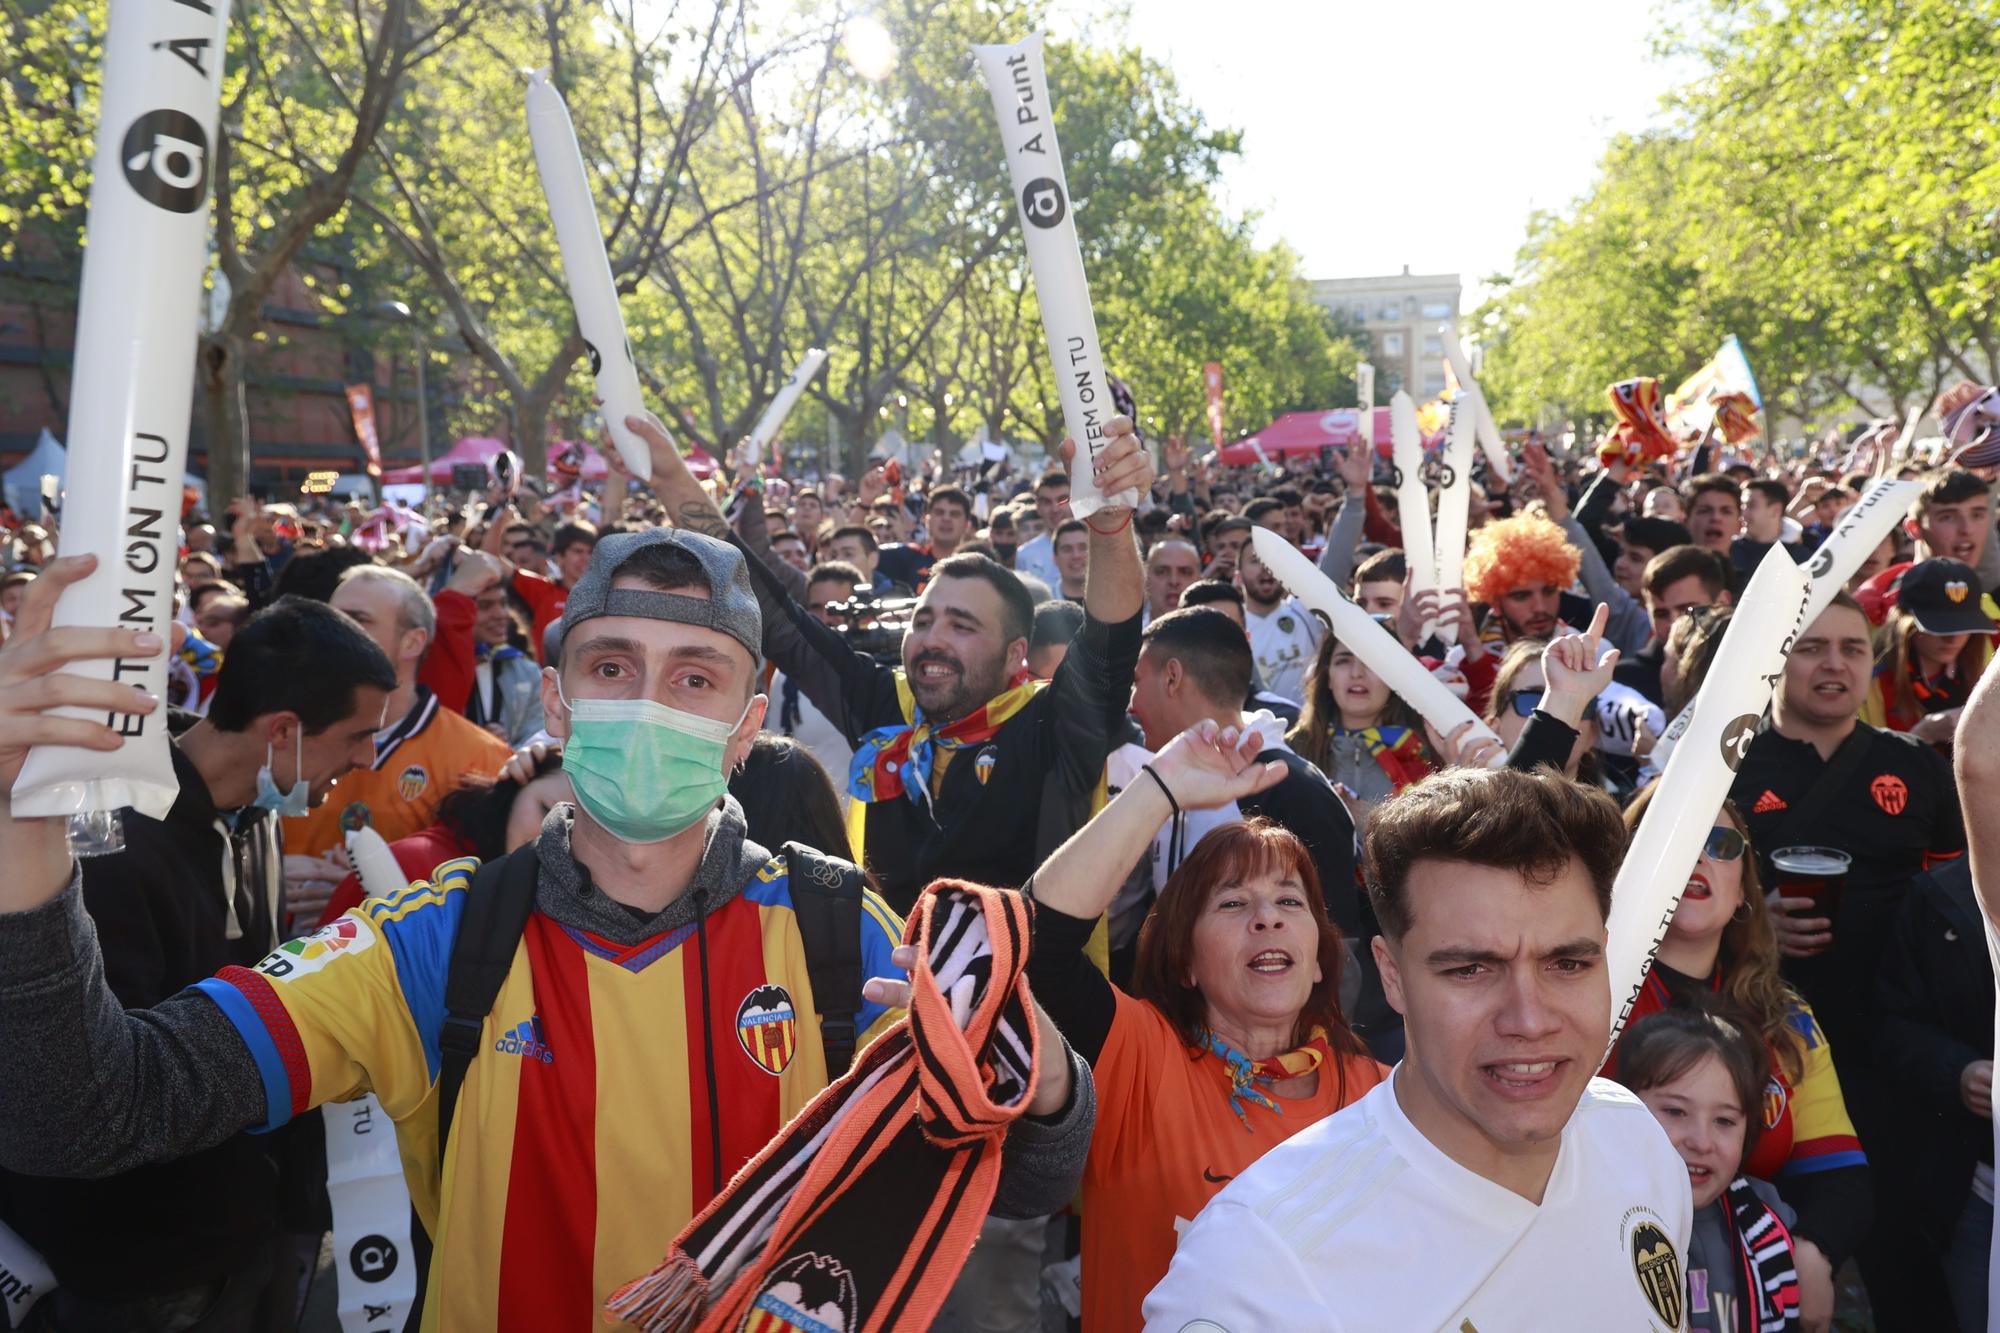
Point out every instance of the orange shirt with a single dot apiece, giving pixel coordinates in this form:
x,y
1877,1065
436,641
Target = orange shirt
x,y
418,762
1166,1143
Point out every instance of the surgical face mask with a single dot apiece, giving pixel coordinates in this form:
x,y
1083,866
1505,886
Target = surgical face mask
x,y
642,770
295,802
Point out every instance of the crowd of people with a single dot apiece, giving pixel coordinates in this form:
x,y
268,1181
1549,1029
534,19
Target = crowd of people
x,y
1320,993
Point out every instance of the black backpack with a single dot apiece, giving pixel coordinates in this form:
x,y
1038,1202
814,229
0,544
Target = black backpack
x,y
826,899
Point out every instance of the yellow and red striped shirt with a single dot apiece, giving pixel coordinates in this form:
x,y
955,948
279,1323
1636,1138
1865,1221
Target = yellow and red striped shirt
x,y
584,1135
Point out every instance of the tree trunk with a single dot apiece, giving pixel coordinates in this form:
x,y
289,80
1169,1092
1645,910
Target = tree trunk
x,y
531,434
225,421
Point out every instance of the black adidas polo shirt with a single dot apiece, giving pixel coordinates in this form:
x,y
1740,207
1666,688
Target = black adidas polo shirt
x,y
1898,812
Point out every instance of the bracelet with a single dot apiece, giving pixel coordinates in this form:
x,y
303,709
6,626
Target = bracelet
x,y
1110,532
1165,791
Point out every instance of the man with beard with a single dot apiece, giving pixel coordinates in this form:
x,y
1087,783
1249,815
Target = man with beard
x,y
965,765
1520,569
1815,776
1284,635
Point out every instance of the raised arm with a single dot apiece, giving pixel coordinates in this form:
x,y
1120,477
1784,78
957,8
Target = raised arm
x,y
1114,590
1976,759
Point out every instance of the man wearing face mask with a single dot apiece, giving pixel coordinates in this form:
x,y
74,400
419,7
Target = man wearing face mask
x,y
296,704
656,1015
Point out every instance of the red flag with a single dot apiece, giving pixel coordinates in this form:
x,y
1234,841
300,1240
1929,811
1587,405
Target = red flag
x,y
361,402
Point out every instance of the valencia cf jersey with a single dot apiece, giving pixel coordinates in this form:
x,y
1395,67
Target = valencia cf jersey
x,y
418,762
607,1079
1360,1222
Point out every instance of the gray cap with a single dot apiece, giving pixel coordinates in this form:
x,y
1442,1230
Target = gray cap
x,y
730,607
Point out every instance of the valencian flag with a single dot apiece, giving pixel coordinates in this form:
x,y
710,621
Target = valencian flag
x,y
1692,406
893,761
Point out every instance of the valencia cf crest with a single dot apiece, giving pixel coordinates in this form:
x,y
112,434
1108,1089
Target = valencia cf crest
x,y
1658,1270
412,781
812,1293
982,764
1774,1103
767,1025
1891,793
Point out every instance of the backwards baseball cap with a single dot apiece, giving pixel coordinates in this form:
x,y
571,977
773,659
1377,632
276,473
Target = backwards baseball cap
x,y
730,607
1945,598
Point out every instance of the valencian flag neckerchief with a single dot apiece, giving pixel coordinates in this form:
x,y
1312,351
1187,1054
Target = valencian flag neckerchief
x,y
860,1214
1396,750
1246,1074
897,760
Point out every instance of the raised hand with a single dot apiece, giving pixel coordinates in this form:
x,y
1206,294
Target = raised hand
x,y
1208,766
1574,671
1355,465
1121,465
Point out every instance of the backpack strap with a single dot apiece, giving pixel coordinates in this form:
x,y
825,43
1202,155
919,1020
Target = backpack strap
x,y
496,914
826,900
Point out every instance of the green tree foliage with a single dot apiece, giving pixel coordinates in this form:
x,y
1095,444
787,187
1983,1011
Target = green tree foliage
x,y
1828,190
758,194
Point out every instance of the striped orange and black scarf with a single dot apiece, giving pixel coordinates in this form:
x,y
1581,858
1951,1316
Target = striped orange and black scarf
x,y
861,1213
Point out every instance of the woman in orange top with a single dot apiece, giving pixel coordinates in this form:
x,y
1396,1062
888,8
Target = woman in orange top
x,y
1232,1039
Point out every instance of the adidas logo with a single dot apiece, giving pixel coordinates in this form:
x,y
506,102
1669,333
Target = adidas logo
x,y
525,1040
1768,802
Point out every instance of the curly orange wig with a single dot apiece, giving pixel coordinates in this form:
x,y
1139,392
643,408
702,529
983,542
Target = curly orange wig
x,y
1524,551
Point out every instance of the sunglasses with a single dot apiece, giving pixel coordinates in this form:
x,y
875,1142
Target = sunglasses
x,y
1724,844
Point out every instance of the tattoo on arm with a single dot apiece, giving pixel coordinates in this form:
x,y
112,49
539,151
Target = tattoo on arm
x,y
700,516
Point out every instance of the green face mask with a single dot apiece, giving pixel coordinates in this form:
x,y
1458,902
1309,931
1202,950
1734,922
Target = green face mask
x,y
642,770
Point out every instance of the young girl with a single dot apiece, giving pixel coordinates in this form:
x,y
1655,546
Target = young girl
x,y
1366,739
1703,1075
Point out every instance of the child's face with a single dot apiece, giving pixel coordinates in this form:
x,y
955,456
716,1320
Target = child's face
x,y
1700,1113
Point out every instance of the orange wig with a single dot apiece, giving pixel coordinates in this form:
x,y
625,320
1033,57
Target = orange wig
x,y
1524,551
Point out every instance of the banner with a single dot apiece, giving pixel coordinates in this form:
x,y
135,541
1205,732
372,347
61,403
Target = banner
x,y
361,403
132,384
1364,394
1691,407
1726,712
1020,91
588,269
1212,377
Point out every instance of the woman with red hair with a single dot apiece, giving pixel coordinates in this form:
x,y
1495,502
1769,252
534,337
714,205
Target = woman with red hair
x,y
1232,1038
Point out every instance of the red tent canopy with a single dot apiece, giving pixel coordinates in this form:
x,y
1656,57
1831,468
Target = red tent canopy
x,y
1306,433
482,448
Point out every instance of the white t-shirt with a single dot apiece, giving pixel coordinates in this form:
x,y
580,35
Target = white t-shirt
x,y
1359,1224
1037,556
1283,643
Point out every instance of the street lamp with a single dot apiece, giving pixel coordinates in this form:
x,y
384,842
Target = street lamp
x,y
400,313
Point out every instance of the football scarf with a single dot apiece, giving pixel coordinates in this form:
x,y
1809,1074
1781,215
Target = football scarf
x,y
1245,1074
1764,1249
859,1215
1735,417
897,760
1397,751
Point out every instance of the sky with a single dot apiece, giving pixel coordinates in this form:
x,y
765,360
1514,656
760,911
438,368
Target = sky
x,y
1395,132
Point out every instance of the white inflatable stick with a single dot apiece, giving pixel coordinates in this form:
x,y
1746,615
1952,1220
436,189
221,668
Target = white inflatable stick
x,y
588,269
